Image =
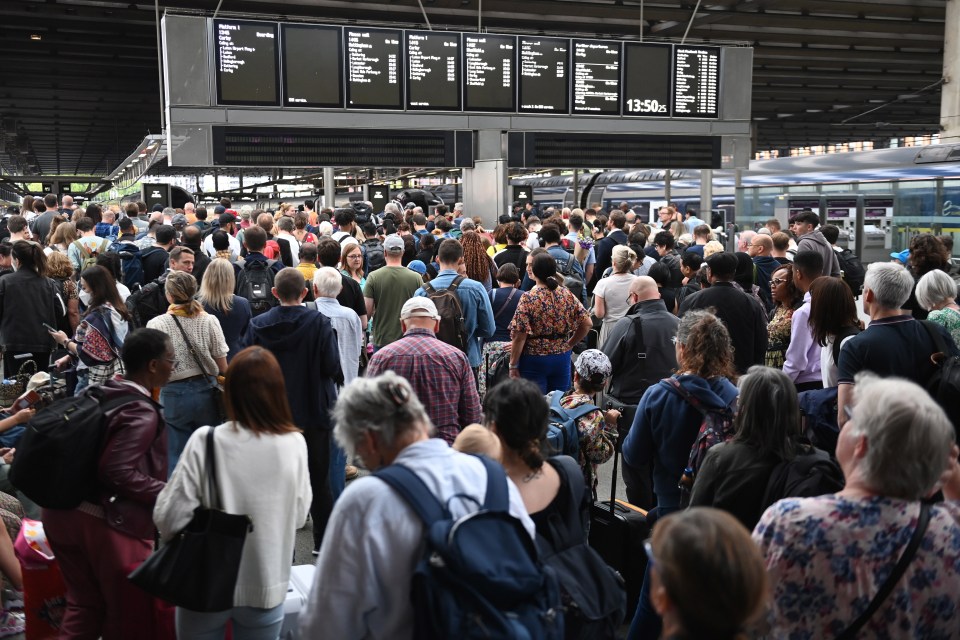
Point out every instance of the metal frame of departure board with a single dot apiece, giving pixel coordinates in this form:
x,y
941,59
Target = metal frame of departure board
x,y
632,101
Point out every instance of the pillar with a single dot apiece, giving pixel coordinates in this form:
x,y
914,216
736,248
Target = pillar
x,y
485,184
950,91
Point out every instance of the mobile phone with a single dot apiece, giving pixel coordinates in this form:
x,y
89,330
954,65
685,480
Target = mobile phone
x,y
48,327
26,401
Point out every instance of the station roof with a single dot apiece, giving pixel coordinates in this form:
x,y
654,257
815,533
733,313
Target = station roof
x,y
79,80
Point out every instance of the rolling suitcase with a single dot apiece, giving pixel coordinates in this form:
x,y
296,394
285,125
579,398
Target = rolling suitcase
x,y
617,532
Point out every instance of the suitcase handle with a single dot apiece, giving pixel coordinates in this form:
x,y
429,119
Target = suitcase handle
x,y
616,455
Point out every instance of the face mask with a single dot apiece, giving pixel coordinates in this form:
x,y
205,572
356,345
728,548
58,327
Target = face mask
x,y
85,298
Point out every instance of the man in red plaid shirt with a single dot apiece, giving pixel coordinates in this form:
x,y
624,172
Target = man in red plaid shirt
x,y
439,373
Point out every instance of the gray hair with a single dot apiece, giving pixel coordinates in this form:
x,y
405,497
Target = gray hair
x,y
391,207
935,287
909,437
285,224
467,225
328,282
891,284
623,258
384,405
169,212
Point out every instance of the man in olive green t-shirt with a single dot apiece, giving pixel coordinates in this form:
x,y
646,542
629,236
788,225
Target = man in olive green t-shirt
x,y
386,290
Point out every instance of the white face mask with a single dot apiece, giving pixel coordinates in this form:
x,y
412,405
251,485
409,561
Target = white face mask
x,y
85,298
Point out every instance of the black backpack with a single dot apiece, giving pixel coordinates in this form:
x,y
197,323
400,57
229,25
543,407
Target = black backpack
x,y
373,257
255,283
853,271
944,385
811,473
58,454
147,303
453,326
594,595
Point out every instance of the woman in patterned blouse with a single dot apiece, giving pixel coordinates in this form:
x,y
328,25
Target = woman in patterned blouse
x,y
827,557
786,299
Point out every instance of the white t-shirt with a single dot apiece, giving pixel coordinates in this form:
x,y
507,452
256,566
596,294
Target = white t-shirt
x,y
828,368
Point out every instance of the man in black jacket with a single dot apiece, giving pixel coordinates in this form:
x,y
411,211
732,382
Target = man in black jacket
x,y
741,312
192,237
604,248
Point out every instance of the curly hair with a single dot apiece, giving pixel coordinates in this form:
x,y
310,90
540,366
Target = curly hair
x,y
475,257
926,254
796,296
707,348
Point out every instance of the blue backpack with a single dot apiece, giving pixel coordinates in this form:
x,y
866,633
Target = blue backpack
x,y
563,436
480,575
131,263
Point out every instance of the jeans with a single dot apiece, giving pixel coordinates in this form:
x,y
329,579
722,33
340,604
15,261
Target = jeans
x,y
550,372
187,406
249,623
338,470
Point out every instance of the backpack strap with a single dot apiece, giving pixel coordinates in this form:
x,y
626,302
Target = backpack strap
x,y
570,415
686,395
567,530
939,344
497,497
84,252
412,489
456,283
568,269
428,288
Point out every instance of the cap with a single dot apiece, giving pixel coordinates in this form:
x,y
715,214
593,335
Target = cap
x,y
418,266
217,210
158,207
902,256
226,218
419,307
393,244
179,219
593,365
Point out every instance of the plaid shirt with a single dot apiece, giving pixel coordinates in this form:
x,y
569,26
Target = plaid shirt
x,y
439,374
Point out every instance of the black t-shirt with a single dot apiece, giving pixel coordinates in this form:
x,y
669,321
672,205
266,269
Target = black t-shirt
x,y
897,346
351,296
155,261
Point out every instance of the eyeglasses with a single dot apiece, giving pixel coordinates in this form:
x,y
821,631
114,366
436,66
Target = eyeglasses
x,y
355,256
777,282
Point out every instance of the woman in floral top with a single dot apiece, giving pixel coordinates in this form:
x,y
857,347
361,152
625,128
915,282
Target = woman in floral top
x,y
597,429
786,299
827,557
549,321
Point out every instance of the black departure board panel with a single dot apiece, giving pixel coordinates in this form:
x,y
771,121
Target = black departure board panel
x,y
247,59
596,77
646,79
374,68
490,63
312,66
433,71
696,79
544,85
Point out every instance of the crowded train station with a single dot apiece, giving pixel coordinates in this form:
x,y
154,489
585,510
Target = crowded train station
x,y
503,319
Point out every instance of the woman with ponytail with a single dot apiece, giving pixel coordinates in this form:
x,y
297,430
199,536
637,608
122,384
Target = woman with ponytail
x,y
190,399
668,420
548,323
28,301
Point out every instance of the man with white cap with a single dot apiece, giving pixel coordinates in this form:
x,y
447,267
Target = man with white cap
x,y
439,373
387,289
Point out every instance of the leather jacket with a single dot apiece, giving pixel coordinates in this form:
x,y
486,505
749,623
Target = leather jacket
x,y
133,462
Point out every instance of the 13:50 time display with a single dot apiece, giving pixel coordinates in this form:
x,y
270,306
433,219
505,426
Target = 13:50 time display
x,y
635,105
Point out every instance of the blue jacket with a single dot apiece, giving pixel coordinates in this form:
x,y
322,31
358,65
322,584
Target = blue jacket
x,y
666,427
477,312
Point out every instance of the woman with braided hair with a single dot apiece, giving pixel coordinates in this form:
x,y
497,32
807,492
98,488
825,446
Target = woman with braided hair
x,y
479,265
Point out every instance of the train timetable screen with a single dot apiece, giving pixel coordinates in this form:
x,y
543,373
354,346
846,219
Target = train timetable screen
x,y
433,70
544,75
312,66
247,62
696,81
646,79
374,63
596,77
490,72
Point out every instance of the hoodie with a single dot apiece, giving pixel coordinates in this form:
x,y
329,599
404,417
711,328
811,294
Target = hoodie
x,y
305,344
665,428
814,241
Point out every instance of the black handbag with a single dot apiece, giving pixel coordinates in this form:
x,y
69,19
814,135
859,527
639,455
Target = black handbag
x,y
198,569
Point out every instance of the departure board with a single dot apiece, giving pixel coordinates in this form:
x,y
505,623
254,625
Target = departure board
x,y
646,79
596,77
696,81
374,68
489,72
247,62
544,85
312,66
433,70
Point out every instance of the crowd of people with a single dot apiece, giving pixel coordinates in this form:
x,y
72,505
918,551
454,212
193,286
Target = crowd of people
x,y
303,345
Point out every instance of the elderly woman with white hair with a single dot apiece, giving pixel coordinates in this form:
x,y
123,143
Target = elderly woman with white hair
x,y
875,557
937,293
611,295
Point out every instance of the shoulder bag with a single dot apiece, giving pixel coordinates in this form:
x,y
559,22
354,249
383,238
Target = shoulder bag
x,y
216,389
198,569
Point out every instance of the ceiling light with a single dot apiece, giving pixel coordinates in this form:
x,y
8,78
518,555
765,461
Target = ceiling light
x,y
36,36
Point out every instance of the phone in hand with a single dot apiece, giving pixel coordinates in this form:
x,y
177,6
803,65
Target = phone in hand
x,y
26,401
48,327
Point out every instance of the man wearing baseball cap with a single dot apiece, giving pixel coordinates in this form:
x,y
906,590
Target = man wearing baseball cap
x,y
439,373
386,290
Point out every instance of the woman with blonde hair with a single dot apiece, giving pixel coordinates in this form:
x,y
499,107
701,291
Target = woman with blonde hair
x,y
711,248
232,311
190,400
610,296
60,238
60,270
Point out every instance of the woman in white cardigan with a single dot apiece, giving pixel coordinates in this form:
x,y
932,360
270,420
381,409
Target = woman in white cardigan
x,y
261,472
